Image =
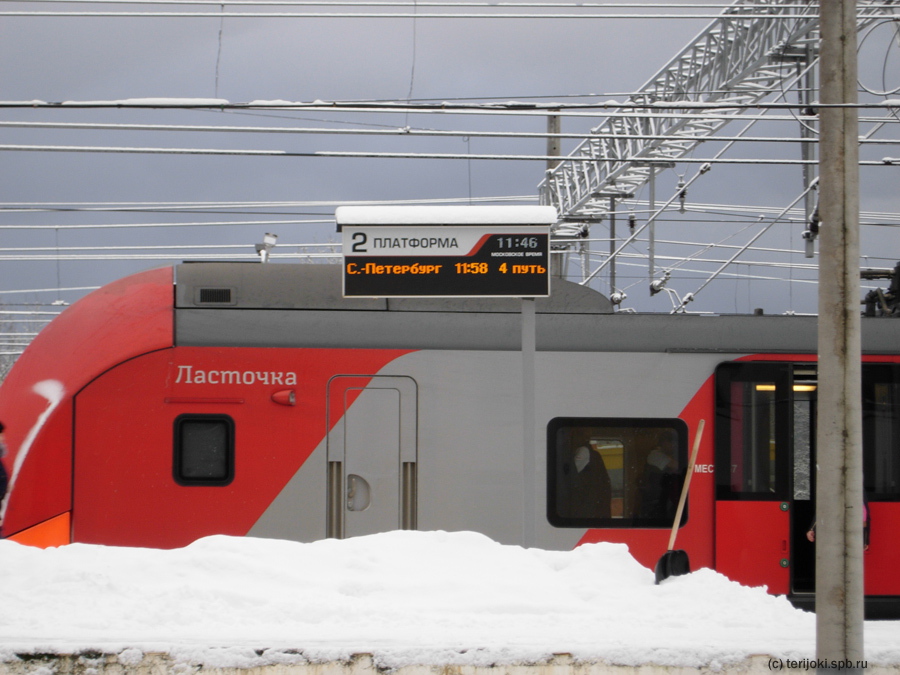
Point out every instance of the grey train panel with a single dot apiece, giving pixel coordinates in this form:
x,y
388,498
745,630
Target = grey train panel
x,y
574,318
557,332
470,463
298,512
254,285
323,329
279,286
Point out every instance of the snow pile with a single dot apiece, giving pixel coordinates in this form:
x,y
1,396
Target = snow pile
x,y
405,597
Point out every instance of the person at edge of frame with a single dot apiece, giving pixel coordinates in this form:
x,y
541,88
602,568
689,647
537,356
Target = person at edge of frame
x,y
867,522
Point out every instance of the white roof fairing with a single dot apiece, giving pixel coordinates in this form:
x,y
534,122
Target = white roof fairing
x,y
445,215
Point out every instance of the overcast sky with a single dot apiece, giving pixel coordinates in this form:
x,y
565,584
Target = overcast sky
x,y
57,59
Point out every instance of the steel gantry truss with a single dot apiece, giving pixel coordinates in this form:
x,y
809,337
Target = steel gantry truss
x,y
747,54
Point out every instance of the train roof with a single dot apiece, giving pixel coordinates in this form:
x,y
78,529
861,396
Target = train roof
x,y
252,285
573,318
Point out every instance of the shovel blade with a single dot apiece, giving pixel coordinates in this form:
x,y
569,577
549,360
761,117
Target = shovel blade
x,y
672,564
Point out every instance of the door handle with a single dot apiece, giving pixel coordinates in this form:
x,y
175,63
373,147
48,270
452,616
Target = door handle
x,y
358,493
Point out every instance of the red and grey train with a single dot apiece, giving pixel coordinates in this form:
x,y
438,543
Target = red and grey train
x,y
253,399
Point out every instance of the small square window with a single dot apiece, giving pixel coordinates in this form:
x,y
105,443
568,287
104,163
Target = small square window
x,y
204,450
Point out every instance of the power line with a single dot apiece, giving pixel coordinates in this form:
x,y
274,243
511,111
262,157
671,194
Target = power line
x,y
48,290
746,11
157,247
702,109
222,223
403,132
191,206
425,3
415,155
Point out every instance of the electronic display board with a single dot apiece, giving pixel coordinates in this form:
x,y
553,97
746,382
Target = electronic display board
x,y
459,260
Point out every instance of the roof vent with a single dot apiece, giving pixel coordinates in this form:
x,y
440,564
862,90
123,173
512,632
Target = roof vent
x,y
215,296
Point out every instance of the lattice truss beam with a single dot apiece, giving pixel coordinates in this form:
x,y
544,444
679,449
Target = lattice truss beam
x,y
738,59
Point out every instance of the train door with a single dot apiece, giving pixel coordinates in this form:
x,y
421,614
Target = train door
x,y
372,452
766,479
803,477
753,474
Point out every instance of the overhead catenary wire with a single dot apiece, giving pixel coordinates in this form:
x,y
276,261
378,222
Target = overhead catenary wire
x,y
219,223
334,255
412,155
748,214
717,211
12,207
166,256
682,107
290,250
577,13
428,3
151,247
399,131
697,272
20,312
48,290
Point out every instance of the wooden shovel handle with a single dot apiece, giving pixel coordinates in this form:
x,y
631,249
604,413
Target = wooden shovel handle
x,y
687,482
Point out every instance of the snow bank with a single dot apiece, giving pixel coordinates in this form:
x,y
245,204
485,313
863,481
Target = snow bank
x,y
404,597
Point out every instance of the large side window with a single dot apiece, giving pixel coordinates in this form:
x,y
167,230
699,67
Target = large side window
x,y
204,450
615,472
881,431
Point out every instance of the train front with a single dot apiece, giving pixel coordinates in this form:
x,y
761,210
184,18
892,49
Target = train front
x,y
124,319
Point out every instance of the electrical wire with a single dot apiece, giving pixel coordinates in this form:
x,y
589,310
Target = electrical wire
x,y
887,161
578,12
126,226
393,131
403,132
861,42
430,3
719,109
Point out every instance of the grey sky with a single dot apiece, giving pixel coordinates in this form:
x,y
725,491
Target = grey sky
x,y
81,59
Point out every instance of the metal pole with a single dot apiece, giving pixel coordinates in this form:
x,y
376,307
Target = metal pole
x,y
652,252
553,143
557,261
612,245
529,460
839,569
807,149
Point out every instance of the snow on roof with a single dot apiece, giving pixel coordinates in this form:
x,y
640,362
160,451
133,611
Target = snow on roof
x,y
445,215
157,102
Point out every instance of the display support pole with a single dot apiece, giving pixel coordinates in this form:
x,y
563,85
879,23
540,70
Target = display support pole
x,y
839,512
529,340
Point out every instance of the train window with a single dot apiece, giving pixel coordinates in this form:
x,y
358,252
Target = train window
x,y
881,431
204,450
766,429
753,417
615,472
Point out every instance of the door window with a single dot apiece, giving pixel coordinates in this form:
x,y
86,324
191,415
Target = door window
x,y
881,431
753,415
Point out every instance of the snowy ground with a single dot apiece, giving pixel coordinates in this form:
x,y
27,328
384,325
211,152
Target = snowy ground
x,y
405,597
